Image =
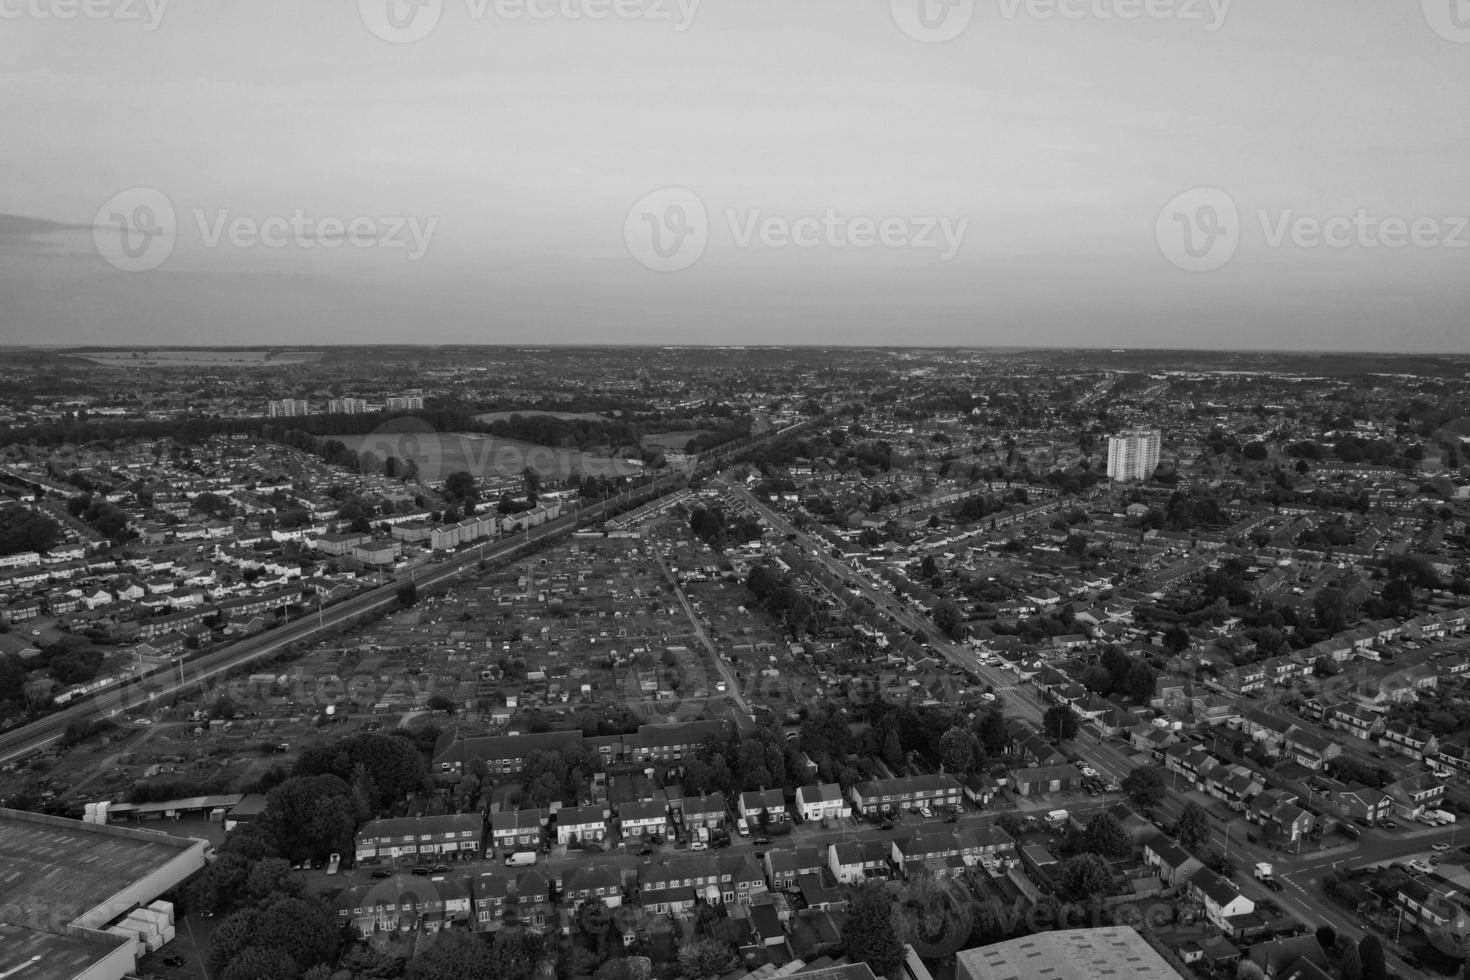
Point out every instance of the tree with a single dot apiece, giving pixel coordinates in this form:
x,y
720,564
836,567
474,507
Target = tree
x,y
1083,876
1349,963
408,594
312,816
301,928
1193,829
1105,835
892,748
1176,638
705,957
1140,682
1246,970
268,876
1370,955
869,935
1060,723
948,618
958,749
455,955
1326,937
1145,786
460,486
260,963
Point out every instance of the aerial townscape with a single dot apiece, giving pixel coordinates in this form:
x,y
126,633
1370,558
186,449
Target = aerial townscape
x,y
674,663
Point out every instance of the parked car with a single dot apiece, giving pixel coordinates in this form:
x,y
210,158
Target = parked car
x,y
698,845
762,841
380,873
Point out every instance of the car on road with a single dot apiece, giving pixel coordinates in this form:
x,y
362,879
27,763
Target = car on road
x,y
1272,884
1441,846
380,873
698,845
645,851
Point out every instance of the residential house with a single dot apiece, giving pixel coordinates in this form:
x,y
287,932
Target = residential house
x,y
1362,802
514,830
854,861
582,824
420,838
1354,719
821,801
1046,779
784,865
704,811
640,818
1171,862
1412,795
877,796
489,891
596,882
1221,899
1409,740
529,900
760,807
1430,901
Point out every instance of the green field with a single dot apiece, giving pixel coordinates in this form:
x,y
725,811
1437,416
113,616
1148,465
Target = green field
x,y
672,441
440,453
489,417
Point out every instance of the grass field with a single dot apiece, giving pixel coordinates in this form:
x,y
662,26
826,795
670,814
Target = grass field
x,y
489,417
440,453
672,441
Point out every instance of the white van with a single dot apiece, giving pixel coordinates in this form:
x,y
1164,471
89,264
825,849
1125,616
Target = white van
x,y
742,826
521,859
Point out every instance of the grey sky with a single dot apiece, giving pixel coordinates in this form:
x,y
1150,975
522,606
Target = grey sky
x,y
516,148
